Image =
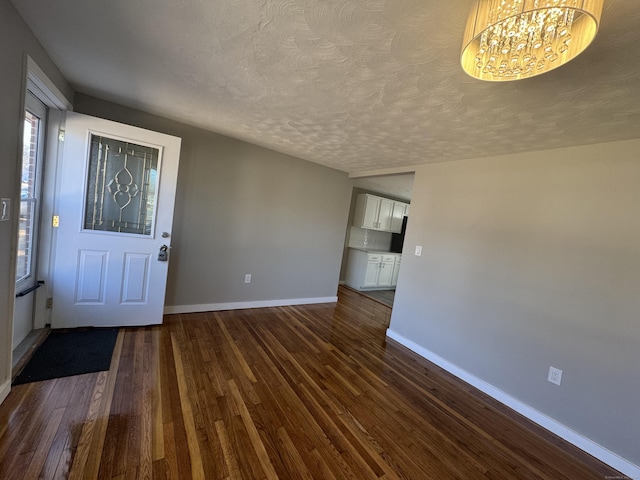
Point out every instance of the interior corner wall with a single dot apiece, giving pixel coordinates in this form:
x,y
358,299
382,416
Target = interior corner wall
x,y
17,41
530,261
243,209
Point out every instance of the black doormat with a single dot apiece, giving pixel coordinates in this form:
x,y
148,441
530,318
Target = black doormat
x,y
71,352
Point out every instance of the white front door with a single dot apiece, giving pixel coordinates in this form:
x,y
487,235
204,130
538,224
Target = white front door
x,y
115,211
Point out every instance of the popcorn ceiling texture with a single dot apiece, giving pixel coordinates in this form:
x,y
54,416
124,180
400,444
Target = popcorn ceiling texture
x,y
354,85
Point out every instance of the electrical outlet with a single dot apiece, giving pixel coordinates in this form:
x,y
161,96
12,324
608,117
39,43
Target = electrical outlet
x,y
418,250
247,278
555,375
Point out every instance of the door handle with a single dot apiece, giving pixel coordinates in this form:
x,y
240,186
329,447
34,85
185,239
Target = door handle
x,y
38,284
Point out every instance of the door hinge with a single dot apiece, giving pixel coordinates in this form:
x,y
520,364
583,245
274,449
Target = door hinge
x,y
49,303
55,221
61,135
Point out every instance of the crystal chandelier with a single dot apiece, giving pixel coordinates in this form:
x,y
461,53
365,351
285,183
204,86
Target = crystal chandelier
x,y
515,39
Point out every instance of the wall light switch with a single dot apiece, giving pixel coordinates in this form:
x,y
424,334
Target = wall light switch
x,y
418,250
5,209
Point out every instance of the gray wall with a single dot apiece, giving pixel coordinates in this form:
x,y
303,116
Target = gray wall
x,y
243,209
528,261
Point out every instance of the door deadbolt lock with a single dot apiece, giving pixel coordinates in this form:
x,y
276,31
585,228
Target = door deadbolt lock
x,y
163,254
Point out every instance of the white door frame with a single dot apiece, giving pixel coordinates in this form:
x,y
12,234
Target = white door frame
x,y
47,92
58,105
24,303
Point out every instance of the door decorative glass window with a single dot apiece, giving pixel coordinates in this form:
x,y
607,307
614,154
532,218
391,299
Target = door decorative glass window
x,y
121,187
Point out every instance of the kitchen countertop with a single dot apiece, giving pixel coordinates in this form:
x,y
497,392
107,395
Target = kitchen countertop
x,y
367,250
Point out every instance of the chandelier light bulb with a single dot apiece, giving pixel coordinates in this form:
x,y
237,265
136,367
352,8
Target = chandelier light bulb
x,y
515,39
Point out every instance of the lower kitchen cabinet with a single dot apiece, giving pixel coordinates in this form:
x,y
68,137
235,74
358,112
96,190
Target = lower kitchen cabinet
x,y
385,271
396,271
369,270
371,273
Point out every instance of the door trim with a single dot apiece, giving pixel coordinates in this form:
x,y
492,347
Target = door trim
x,y
46,91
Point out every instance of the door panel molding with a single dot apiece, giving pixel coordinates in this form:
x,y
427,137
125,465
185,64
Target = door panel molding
x,y
92,277
135,278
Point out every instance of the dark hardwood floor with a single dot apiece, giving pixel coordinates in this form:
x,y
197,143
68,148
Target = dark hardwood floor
x,y
292,392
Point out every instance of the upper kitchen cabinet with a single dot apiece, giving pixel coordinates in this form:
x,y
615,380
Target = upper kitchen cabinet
x,y
397,214
373,213
378,213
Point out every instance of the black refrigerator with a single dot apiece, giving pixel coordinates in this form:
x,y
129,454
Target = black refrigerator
x,y
397,239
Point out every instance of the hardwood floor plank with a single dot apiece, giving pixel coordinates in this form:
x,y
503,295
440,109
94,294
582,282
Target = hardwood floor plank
x,y
187,415
44,444
237,352
62,467
157,440
76,401
25,424
89,427
228,451
308,391
170,465
249,424
292,460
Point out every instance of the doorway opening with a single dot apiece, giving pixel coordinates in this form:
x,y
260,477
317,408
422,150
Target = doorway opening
x,y
375,233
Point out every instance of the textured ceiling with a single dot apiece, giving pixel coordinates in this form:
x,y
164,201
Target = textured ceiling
x,y
355,85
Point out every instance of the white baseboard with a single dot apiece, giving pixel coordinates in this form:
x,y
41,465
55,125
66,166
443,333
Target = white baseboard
x,y
580,441
5,388
216,307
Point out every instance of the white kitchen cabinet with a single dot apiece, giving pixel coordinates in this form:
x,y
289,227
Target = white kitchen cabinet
x,y
368,271
384,214
367,211
372,272
378,213
397,214
396,271
385,272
